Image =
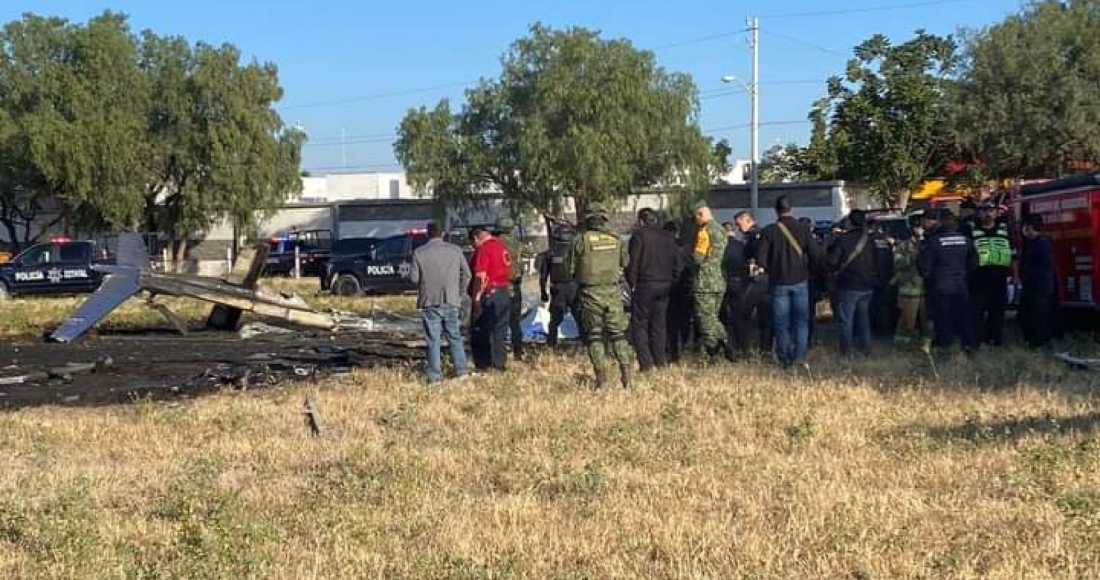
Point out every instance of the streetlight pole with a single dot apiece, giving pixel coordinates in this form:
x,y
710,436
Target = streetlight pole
x,y
754,92
753,89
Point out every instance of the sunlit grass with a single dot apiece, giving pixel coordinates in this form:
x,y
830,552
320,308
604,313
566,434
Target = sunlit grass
x,y
872,469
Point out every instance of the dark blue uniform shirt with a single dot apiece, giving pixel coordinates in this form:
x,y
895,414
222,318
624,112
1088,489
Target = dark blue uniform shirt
x,y
945,261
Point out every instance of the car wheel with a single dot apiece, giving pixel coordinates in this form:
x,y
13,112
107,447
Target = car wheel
x,y
346,285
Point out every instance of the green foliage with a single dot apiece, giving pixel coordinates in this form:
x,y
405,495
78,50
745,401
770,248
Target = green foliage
x,y
214,536
884,122
786,163
59,530
115,131
1027,97
219,150
720,164
571,114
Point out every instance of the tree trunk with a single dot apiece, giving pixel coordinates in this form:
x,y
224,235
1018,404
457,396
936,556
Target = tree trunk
x,y
9,225
179,255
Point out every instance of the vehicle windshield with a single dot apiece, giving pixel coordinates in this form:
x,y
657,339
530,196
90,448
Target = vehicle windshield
x,y
36,255
353,246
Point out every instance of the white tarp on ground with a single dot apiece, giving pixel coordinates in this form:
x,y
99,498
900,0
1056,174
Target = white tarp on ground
x,y
535,325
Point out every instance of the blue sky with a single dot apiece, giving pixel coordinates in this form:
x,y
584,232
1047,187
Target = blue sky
x,y
354,68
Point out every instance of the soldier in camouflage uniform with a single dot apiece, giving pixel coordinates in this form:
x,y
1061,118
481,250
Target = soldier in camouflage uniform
x,y
504,231
597,258
710,281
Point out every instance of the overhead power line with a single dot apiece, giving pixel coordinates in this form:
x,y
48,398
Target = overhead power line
x,y
797,40
860,10
762,124
349,168
349,141
375,96
700,39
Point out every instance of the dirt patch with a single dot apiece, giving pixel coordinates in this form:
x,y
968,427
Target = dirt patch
x,y
134,366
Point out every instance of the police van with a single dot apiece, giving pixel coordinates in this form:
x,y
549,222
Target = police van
x,y
61,266
381,266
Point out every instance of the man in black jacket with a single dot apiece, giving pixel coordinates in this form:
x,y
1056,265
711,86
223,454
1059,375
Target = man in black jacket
x,y
946,261
855,262
787,250
1037,294
654,266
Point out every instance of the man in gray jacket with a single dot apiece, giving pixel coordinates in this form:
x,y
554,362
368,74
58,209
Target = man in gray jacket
x,y
442,275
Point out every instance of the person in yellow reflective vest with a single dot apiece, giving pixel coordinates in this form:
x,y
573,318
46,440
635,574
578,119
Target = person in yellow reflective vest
x,y
989,283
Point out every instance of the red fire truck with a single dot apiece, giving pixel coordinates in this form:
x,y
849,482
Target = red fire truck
x,y
1071,214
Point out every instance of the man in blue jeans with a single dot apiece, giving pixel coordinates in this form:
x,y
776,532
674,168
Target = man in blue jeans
x,y
441,274
786,251
854,260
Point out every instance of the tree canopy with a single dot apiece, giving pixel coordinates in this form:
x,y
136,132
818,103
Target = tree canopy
x,y
113,130
1026,102
571,115
884,123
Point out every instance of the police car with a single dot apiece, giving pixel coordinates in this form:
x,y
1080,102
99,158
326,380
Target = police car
x,y
314,249
383,265
61,266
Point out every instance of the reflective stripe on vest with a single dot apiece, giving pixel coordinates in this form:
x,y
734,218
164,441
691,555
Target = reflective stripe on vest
x,y
994,249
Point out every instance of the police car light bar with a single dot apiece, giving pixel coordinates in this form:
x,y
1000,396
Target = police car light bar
x,y
60,239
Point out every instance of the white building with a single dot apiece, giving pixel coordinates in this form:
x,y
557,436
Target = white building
x,y
347,186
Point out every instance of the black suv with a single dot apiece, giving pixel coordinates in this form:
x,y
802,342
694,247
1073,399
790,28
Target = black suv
x,y
58,267
374,266
314,248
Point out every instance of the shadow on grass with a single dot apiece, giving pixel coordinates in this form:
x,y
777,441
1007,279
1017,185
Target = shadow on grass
x,y
974,430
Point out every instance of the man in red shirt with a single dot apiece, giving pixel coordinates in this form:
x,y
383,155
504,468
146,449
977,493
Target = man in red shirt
x,y
492,266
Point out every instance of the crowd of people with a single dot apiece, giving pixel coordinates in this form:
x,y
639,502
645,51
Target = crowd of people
x,y
733,291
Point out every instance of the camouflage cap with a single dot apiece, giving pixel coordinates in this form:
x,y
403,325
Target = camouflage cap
x,y
595,210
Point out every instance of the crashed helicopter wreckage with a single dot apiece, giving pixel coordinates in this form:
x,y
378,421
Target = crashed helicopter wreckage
x,y
233,295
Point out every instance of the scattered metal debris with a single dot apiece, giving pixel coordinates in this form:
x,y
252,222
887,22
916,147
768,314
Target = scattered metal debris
x,y
254,329
132,367
232,295
312,415
1077,362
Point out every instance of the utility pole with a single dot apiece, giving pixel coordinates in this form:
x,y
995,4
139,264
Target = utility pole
x,y
754,90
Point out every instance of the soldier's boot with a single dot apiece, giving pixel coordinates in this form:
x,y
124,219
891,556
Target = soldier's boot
x,y
729,352
626,375
601,378
712,353
623,356
597,356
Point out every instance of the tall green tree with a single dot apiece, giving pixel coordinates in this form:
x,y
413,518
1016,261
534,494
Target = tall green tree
x,y
786,163
1026,101
217,148
87,134
111,131
885,122
571,115
73,123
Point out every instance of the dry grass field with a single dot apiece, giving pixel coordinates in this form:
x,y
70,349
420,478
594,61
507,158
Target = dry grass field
x,y
869,469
